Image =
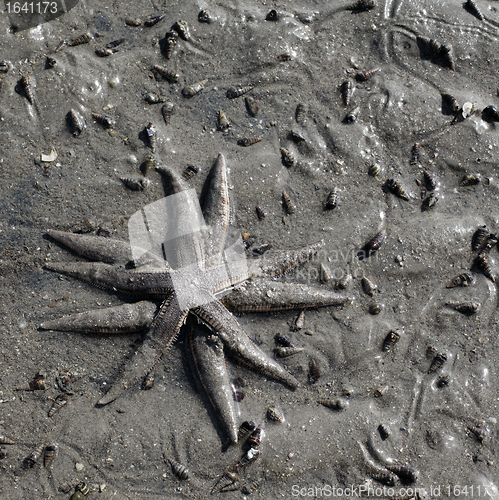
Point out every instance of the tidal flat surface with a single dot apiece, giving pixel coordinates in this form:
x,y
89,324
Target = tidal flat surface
x,y
442,422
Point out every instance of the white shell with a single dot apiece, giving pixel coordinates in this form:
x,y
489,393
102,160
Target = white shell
x,y
468,109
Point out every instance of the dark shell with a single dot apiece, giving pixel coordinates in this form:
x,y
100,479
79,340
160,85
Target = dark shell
x,y
262,249
85,38
238,396
415,154
451,102
283,341
83,487
273,15
251,105
430,201
6,440
331,200
256,436
437,50
346,92
50,452
152,21
362,5
133,22
76,122
105,52
396,188
153,98
491,242
314,374
464,279
491,113
352,115
295,136
233,92
148,382
437,363
480,433
204,16
171,39
248,141
375,308
374,170
467,308
470,180
150,132
223,122
287,157
50,62
260,212
284,57
375,243
167,73
471,7
368,286
363,76
32,459
245,429
385,477
300,114
289,206
250,488
343,283
179,470
105,120
430,180
275,414
390,340
406,473
443,381
58,403
483,263
115,43
479,238
384,433
182,29
190,171
166,111
192,90
28,88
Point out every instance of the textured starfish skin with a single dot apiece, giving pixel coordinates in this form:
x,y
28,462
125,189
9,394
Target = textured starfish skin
x,y
202,271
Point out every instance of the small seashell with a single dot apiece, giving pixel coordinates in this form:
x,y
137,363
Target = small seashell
x,y
245,429
284,57
300,321
344,282
6,440
257,436
282,340
471,7
179,470
250,488
192,90
50,62
260,212
363,76
368,286
443,381
223,122
251,105
262,248
385,477
300,114
238,396
182,29
233,92
491,113
468,109
352,115
287,157
273,15
83,487
148,381
346,92
28,88
406,473
375,243
135,183
105,51
167,73
283,352
396,188
190,171
153,98
289,206
483,263
37,384
335,404
152,21
430,180
325,275
204,16
451,102
437,363
147,165
479,238
464,279
362,5
490,242
115,43
50,452
58,403
171,39
415,154
150,132
105,120
467,308
50,157
375,308
480,433
383,432
133,22
85,38
76,122
248,141
31,460
430,201
275,414
374,170
314,374
331,200
390,340
166,111
296,136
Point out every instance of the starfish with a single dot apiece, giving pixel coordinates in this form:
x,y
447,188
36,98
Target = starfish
x,y
203,264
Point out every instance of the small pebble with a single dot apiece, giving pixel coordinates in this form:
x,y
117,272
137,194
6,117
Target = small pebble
x,y
79,467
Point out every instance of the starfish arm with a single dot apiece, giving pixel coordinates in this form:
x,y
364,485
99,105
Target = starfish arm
x,y
106,276
187,247
209,358
217,212
99,248
117,319
164,331
263,295
279,262
238,344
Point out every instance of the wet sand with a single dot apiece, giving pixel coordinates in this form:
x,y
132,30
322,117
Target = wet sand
x,y
124,446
